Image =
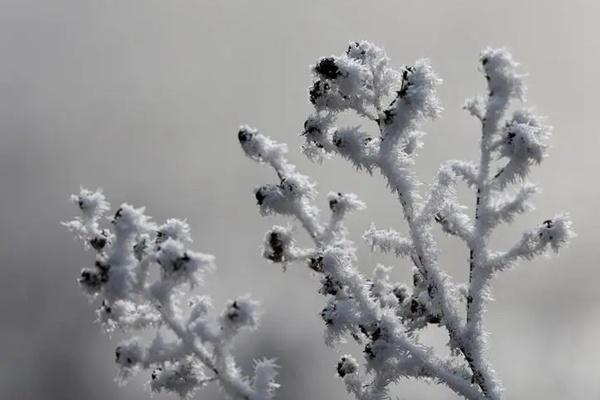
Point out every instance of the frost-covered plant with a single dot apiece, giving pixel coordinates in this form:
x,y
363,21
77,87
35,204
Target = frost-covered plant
x,y
383,316
143,273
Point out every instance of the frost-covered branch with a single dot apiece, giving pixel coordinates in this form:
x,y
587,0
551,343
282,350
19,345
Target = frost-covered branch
x,y
552,233
370,311
386,315
518,144
388,240
191,346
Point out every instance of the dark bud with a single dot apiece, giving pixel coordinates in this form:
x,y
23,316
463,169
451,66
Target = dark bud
x,y
86,275
415,306
434,319
337,141
372,331
308,128
333,203
287,186
180,262
330,286
233,312
547,224
106,307
103,269
260,196
156,372
276,247
417,279
388,116
401,293
376,334
90,279
316,263
319,89
510,137
327,68
98,242
352,46
312,133
439,218
369,352
327,314
117,215
345,367
484,61
244,135
117,353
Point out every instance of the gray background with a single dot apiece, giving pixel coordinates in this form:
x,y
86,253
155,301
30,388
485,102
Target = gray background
x,y
144,97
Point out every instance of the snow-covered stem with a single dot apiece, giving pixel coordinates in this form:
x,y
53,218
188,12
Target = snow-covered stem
x,y
133,301
387,241
385,314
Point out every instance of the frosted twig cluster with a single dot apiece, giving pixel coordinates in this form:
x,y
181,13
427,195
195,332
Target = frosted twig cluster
x,y
141,274
385,317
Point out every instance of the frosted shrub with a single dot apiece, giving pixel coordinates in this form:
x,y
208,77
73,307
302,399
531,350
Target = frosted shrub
x,y
383,316
143,272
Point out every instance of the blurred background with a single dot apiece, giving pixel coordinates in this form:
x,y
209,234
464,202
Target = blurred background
x,y
144,97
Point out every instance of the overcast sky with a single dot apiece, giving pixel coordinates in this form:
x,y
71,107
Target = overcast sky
x,y
144,97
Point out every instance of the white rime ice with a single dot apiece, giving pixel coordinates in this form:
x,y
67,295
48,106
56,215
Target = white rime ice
x,y
383,316
143,272
191,345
